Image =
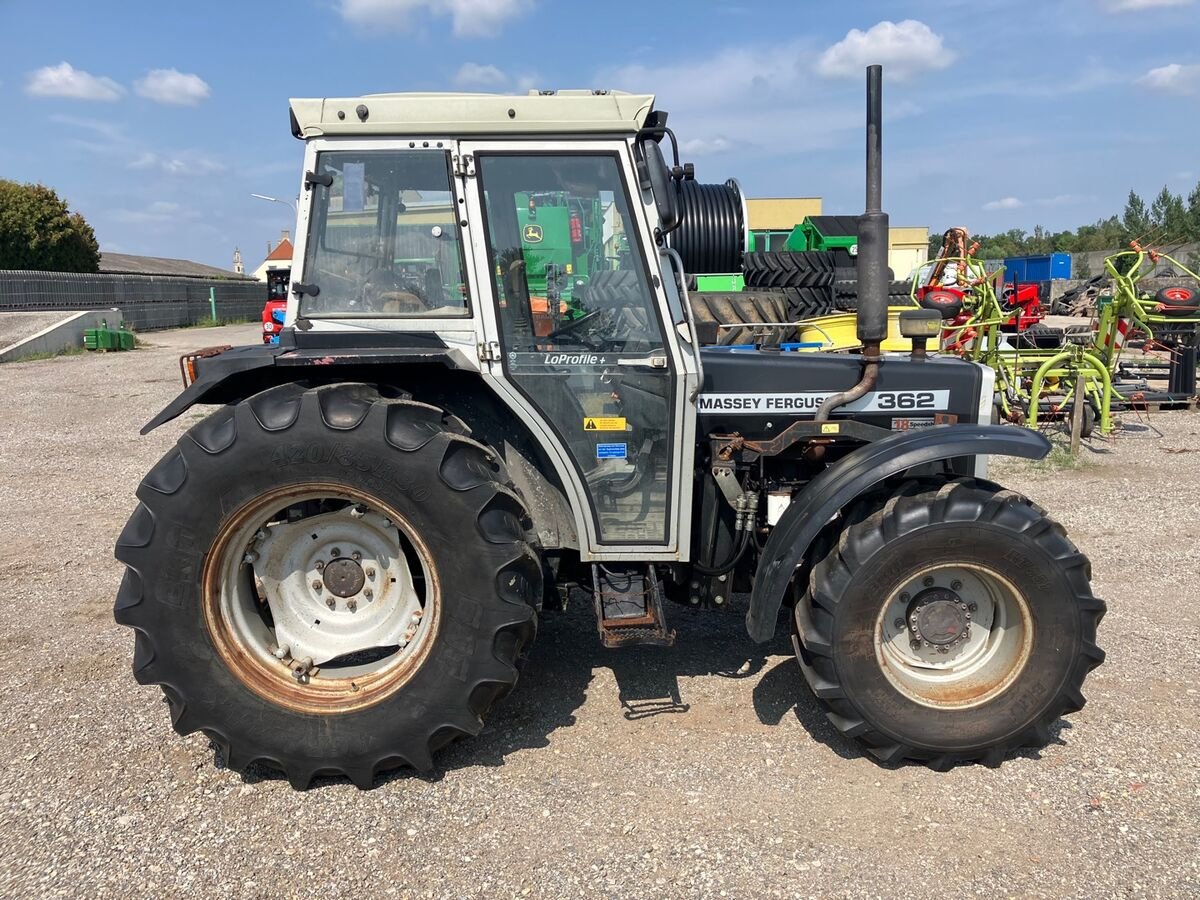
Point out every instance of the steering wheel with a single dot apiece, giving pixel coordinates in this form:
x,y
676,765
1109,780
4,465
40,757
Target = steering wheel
x,y
574,325
382,286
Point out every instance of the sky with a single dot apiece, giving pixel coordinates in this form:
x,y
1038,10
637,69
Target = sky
x,y
158,120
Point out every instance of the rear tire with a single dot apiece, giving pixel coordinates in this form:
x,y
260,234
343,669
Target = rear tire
x,y
1001,683
404,468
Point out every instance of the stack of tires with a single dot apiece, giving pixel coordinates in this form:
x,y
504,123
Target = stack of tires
x,y
784,287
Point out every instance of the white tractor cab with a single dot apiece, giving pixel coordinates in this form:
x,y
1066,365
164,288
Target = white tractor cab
x,y
490,391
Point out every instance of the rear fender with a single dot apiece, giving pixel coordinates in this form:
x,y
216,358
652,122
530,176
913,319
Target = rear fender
x,y
242,372
841,483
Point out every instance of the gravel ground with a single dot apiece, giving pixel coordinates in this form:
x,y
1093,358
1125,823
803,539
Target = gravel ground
x,y
703,770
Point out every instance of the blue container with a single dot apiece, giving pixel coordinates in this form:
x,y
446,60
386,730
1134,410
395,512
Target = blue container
x,y
1038,268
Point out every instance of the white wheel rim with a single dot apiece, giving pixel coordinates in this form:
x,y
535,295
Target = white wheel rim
x,y
321,610
954,636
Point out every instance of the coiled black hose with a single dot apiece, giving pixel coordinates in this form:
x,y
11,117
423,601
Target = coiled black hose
x,y
712,232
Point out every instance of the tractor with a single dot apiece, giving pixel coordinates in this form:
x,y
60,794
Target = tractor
x,y
341,568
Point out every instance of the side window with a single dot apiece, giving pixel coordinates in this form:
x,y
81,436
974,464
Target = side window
x,y
383,237
567,276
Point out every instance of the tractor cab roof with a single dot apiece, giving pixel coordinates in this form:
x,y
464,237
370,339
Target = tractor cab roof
x,y
452,115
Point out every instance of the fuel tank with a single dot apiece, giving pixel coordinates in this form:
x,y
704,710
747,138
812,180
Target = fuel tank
x,y
758,393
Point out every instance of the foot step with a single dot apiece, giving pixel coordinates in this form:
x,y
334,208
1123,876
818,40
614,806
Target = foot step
x,y
629,607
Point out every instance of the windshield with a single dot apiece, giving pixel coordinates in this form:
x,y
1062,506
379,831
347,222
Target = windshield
x,y
383,237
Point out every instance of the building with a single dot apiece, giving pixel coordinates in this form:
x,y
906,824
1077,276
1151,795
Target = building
x,y
773,218
278,257
127,264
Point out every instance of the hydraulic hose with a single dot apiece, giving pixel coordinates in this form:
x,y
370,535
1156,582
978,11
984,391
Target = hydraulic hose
x,y
722,568
711,236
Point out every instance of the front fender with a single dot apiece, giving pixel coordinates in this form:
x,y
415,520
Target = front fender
x,y
833,489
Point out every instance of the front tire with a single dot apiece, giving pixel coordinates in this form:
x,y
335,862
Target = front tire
x,y
952,623
328,582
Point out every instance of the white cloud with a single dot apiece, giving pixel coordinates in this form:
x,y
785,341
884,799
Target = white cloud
x,y
903,49
173,87
1119,6
475,75
1065,200
1003,203
1173,79
469,18
160,212
64,80
705,146
183,164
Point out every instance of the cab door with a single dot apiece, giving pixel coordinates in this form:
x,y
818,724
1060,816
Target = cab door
x,y
578,322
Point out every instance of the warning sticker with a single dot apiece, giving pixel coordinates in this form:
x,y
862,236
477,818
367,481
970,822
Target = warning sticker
x,y
604,423
831,428
611,451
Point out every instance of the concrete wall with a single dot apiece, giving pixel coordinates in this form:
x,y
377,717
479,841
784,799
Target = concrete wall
x,y
61,334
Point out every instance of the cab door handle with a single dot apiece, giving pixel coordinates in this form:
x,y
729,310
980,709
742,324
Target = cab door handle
x,y
645,362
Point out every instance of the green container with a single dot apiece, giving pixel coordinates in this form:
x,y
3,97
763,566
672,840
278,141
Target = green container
x,y
723,284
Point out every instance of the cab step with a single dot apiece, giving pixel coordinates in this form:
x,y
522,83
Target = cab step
x,y
629,607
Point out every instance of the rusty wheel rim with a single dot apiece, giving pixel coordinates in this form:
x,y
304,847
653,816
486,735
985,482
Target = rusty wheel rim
x,y
954,636
246,604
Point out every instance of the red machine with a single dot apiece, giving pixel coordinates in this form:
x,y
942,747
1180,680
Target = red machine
x,y
274,312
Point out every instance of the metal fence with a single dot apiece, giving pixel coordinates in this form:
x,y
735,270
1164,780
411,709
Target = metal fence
x,y
146,301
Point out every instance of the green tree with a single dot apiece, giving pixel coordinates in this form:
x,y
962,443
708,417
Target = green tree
x,y
38,231
1136,218
1193,214
1169,216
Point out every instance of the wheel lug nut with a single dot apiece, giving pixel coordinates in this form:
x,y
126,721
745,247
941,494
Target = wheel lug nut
x,y
904,598
928,581
356,556
352,605
370,573
316,586
250,557
956,585
280,652
915,645
320,566
369,594
972,607
331,603
335,552
899,623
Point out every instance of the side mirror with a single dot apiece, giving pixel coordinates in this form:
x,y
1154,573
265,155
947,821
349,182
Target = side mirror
x,y
654,174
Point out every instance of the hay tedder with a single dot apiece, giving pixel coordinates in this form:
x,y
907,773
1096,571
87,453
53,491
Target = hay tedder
x,y
1042,371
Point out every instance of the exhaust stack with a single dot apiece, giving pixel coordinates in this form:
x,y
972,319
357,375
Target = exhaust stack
x,y
873,229
872,256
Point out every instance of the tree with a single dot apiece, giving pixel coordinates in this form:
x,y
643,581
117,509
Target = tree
x,y
1193,214
38,231
1135,219
1169,216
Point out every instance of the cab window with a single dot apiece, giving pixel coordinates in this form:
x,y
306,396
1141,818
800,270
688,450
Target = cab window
x,y
383,237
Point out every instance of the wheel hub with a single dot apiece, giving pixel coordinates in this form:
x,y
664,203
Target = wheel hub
x,y
940,618
344,577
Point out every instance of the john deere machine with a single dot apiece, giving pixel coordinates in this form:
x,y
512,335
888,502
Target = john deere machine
x,y
341,568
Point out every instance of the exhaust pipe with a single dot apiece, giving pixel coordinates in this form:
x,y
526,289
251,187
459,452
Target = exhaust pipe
x,y
872,255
